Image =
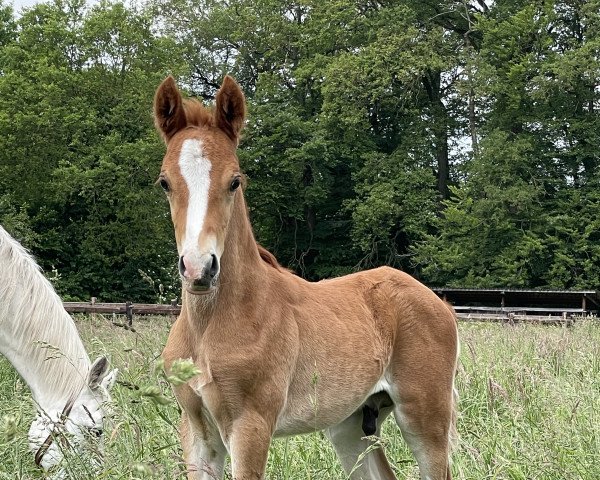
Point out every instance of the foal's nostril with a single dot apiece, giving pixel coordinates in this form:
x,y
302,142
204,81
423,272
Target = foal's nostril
x,y
214,266
181,266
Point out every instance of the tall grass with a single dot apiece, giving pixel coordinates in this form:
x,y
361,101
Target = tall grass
x,y
529,397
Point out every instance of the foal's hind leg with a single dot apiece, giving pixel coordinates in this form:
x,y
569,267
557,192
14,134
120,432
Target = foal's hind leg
x,y
421,376
428,443
425,414
357,454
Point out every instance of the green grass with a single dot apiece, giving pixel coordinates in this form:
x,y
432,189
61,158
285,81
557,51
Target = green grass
x,y
530,397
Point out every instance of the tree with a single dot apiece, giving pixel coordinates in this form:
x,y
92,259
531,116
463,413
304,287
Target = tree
x,y
517,218
336,89
456,140
79,154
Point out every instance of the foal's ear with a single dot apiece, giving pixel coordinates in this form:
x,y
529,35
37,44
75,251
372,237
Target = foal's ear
x,y
230,110
97,373
169,115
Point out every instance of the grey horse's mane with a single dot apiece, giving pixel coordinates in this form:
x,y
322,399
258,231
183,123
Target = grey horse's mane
x,y
35,326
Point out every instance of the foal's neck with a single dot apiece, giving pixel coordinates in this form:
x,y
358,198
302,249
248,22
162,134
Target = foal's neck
x,y
242,271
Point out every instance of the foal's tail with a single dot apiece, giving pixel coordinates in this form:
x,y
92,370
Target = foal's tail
x,y
453,432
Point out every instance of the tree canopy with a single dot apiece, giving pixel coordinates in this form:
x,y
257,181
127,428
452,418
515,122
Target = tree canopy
x,y
455,140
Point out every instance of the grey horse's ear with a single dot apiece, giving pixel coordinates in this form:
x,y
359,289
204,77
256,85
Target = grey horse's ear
x,y
109,379
97,373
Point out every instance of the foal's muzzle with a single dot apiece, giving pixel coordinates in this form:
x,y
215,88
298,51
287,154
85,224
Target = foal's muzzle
x,y
199,274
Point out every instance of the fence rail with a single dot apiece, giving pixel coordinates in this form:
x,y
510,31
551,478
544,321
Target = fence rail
x,y
122,308
563,316
508,317
128,309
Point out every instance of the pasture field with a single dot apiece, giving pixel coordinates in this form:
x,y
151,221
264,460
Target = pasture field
x,y
530,407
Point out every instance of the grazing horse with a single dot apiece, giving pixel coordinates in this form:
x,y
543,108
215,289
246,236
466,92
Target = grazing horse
x,y
41,341
279,355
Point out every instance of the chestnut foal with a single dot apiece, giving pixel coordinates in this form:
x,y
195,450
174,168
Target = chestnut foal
x,y
279,355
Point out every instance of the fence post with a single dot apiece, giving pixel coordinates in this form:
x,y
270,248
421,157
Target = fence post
x,y
93,302
172,317
129,313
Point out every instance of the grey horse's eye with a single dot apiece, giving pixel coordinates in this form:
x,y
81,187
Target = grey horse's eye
x,y
97,432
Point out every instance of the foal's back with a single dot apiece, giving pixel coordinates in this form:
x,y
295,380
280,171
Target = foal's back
x,y
355,335
387,345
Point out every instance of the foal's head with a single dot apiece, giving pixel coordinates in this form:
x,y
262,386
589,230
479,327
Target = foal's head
x,y
200,175
79,423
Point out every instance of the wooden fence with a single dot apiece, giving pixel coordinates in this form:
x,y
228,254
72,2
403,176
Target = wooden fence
x,y
129,309
552,315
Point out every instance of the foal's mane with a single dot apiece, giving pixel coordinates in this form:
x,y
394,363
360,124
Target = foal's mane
x,y
270,259
36,325
197,114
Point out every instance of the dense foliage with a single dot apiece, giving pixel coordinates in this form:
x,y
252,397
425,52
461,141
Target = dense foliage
x,y
456,140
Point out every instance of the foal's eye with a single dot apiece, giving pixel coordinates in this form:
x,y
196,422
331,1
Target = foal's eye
x,y
163,184
235,183
97,432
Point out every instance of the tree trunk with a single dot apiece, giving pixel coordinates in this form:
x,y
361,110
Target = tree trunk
x,y
432,82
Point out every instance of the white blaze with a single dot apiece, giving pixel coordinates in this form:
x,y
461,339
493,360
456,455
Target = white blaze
x,y
195,169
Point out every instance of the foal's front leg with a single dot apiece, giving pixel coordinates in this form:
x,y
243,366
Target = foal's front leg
x,y
249,445
203,451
